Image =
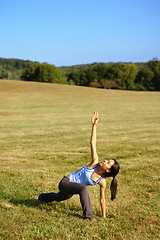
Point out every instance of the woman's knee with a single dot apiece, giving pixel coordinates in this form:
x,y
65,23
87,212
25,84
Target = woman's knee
x,y
84,189
47,197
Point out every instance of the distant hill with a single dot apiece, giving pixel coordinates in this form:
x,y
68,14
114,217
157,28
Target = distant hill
x,y
11,68
15,63
68,69
121,75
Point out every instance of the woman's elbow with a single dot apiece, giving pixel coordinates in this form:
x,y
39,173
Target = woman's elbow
x,y
92,142
102,201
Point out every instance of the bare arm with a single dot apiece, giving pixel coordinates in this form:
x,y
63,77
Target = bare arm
x,y
102,198
94,138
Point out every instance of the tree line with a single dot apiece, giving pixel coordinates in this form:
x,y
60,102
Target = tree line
x,y
13,68
126,76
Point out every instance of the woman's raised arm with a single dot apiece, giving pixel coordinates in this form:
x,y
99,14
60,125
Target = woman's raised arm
x,y
93,138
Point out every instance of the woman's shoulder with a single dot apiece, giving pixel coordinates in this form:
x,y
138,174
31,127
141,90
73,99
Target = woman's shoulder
x,y
102,183
92,165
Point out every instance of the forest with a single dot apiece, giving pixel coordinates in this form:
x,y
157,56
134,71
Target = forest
x,y
125,76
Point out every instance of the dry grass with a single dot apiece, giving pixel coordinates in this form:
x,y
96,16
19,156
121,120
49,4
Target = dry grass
x,y
45,131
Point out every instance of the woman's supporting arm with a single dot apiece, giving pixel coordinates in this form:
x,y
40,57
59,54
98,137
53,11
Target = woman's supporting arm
x,y
102,198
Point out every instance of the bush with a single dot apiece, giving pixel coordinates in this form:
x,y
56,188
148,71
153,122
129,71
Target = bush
x,y
43,73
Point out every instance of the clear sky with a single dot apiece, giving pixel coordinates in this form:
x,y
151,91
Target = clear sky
x,y
70,32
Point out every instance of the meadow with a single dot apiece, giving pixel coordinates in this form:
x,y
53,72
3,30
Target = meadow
x,y
45,134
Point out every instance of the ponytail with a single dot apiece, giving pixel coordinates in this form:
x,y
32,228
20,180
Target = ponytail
x,y
114,171
113,188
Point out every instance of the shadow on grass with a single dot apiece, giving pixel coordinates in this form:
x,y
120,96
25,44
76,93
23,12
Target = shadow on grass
x,y
27,202
58,207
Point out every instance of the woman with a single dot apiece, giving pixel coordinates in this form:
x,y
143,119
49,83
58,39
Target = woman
x,y
91,174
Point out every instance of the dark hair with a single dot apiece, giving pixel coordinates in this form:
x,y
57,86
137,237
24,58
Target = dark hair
x,y
114,171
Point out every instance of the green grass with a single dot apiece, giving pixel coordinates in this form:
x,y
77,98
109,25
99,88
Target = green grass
x,y
44,135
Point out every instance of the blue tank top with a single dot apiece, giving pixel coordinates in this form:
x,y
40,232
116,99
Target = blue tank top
x,y
84,176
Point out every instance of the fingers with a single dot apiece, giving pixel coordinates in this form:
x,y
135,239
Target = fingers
x,y
95,118
96,114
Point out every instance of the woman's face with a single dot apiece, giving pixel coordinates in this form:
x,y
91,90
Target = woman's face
x,y
107,164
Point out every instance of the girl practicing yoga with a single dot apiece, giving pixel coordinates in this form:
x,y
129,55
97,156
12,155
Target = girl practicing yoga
x,y
91,174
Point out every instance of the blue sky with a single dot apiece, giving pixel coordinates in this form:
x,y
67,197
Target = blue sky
x,y
70,32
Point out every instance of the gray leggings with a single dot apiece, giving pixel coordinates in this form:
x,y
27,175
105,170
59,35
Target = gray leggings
x,y
67,190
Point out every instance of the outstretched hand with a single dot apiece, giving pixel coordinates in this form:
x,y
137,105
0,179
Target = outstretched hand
x,y
95,118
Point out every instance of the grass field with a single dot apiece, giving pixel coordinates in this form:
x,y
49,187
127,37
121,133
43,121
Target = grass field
x,y
44,135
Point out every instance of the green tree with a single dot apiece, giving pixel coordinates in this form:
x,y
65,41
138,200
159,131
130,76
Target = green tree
x,y
74,76
125,75
144,79
30,74
43,73
154,66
